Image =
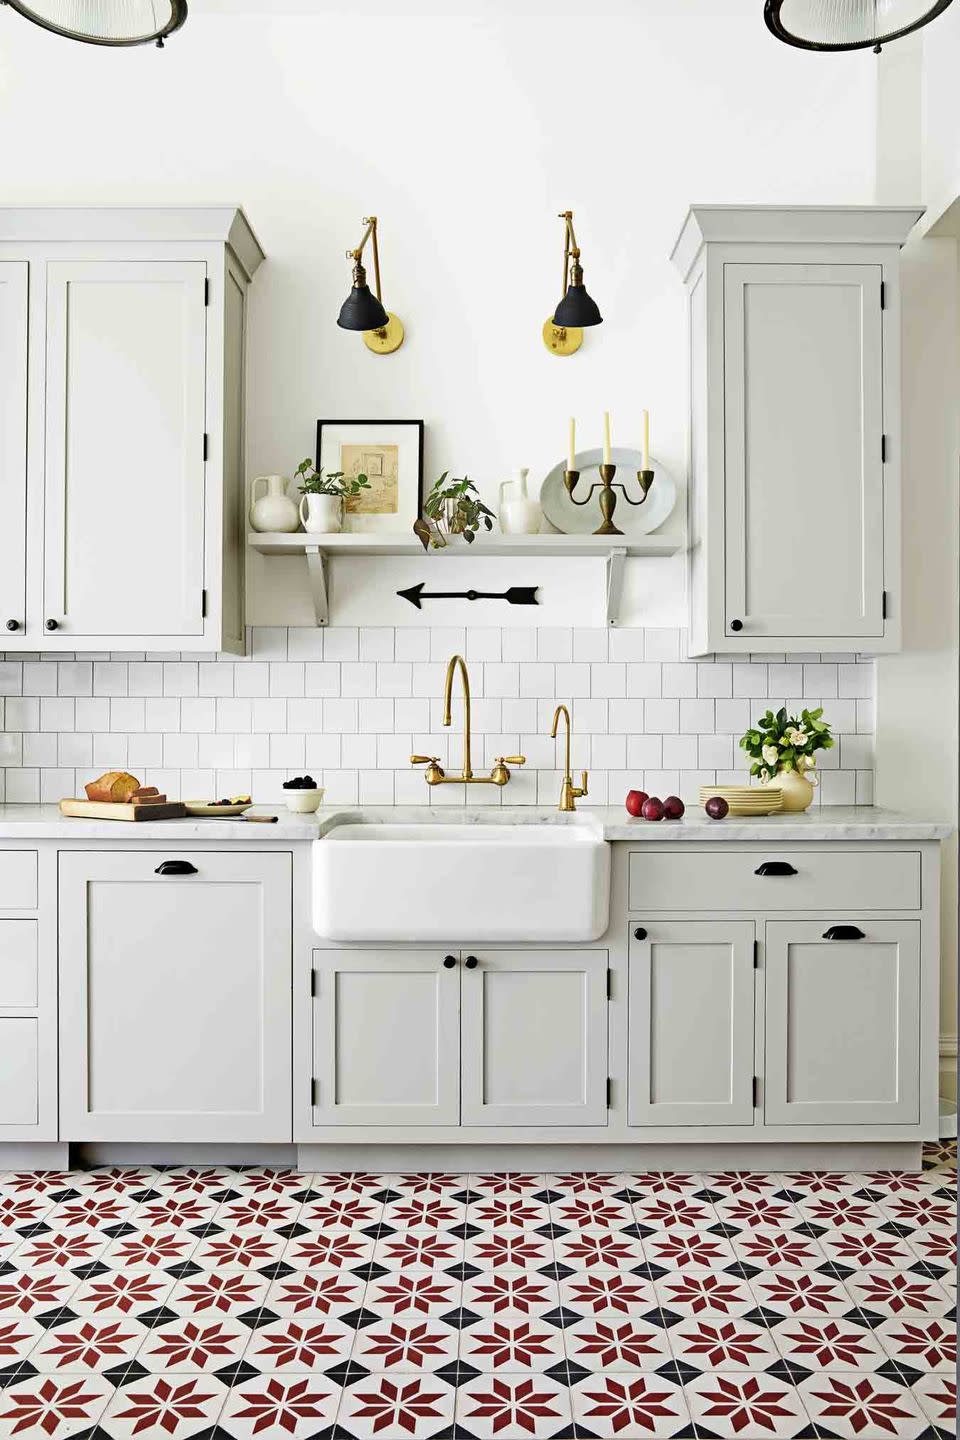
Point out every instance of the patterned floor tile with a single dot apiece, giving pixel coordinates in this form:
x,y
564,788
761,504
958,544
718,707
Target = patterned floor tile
x,y
508,1405
630,1404
214,1302
172,1406
745,1405
854,1406
296,1406
53,1406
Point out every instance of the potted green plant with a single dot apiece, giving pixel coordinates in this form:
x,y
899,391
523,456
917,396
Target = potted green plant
x,y
783,750
453,507
321,505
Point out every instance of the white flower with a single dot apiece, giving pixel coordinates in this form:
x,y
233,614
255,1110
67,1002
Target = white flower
x,y
806,762
797,735
769,753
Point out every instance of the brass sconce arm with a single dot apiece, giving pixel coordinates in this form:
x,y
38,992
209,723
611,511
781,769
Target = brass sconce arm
x,y
571,251
356,255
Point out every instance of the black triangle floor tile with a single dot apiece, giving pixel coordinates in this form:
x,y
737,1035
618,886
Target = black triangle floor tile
x,y
457,1372
663,1318
463,1270
160,1315
464,1231
348,1372
649,1270
16,1373
276,1271
292,1230
677,1371
237,1373
256,1318
561,1317
556,1270
789,1371
183,1271
549,1197
725,1230
637,1231
743,1270
567,1372
359,1319
91,1271
760,1316
370,1271
460,1318
385,1197
50,1319
117,1231
30,1232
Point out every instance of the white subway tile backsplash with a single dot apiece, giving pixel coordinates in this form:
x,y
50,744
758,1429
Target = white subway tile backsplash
x,y
351,706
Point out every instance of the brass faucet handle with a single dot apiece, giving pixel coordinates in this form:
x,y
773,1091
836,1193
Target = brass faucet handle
x,y
583,782
424,759
511,759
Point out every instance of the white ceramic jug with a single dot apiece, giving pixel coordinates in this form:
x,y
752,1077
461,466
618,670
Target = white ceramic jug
x,y
521,515
273,510
322,514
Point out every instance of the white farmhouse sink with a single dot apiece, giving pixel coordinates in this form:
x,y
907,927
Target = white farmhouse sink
x,y
454,882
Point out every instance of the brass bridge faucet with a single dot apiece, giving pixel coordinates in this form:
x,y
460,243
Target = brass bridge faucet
x,y
435,774
569,793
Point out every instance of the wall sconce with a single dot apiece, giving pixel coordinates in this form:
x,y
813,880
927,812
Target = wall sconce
x,y
382,331
563,332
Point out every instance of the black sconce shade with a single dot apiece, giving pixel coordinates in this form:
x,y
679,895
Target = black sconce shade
x,y
362,310
577,308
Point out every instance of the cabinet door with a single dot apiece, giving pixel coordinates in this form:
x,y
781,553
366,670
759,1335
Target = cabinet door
x,y
843,1024
125,406
13,441
691,1028
175,996
385,1038
533,1031
803,403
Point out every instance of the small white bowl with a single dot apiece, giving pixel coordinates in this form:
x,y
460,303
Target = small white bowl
x,y
304,802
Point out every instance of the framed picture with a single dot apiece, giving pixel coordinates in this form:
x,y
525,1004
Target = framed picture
x,y
390,454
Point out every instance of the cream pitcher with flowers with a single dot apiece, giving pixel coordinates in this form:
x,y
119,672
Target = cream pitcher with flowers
x,y
783,750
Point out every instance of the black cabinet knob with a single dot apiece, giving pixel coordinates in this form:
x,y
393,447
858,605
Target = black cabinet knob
x,y
175,867
13,624
736,625
471,962
449,961
775,867
52,624
844,932
639,933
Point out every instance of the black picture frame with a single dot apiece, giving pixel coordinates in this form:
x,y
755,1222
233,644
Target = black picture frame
x,y
417,425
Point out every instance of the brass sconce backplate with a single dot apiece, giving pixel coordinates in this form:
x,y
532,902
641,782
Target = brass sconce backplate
x,y
387,339
561,339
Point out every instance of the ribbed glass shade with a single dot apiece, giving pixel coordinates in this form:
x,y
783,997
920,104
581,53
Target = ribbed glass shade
x,y
106,22
847,24
362,311
577,309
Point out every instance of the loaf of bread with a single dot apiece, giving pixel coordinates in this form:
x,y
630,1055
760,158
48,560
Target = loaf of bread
x,y
115,786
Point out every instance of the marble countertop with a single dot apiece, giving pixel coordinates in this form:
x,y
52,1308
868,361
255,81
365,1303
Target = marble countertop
x,y
835,822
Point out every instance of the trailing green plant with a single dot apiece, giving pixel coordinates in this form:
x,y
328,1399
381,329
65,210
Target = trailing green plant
x,y
454,507
315,482
782,742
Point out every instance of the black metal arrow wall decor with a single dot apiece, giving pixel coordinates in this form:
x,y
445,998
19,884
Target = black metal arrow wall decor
x,y
516,595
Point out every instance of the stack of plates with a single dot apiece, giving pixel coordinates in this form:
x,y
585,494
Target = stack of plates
x,y
745,799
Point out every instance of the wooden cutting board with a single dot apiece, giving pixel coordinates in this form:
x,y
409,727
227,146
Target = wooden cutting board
x,y
105,810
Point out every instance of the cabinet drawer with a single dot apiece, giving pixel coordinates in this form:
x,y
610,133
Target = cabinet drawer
x,y
18,879
18,964
774,879
19,1089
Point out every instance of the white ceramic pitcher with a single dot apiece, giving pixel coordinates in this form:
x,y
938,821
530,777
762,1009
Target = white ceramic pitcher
x,y
273,510
322,514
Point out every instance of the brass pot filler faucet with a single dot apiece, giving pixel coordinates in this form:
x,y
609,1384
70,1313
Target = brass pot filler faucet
x,y
500,773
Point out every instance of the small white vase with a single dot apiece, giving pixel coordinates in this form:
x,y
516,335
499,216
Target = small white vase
x,y
322,514
273,510
519,515
796,790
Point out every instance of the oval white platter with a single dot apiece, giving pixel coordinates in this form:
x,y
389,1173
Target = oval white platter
x,y
571,519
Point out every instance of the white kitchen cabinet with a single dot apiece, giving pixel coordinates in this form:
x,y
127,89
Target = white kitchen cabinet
x,y
691,1025
842,1022
121,468
19,1075
13,445
533,1033
386,1045
794,445
175,998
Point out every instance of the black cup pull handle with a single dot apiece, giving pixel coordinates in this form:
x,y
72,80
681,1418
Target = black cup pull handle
x,y
471,962
175,867
449,961
639,933
775,867
844,932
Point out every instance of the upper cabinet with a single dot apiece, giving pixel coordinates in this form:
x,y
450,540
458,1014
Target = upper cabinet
x,y
121,428
794,449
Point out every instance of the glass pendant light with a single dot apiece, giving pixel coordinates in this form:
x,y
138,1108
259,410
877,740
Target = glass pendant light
x,y
105,22
847,24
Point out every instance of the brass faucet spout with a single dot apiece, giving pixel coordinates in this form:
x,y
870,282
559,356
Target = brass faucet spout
x,y
457,661
569,793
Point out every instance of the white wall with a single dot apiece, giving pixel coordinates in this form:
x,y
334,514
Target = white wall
x,y
466,135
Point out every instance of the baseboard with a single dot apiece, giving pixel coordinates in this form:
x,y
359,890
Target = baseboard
x,y
116,1152
839,1156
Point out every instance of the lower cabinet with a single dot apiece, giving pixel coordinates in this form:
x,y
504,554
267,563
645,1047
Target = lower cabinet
x,y
842,1022
496,1037
175,1000
691,1023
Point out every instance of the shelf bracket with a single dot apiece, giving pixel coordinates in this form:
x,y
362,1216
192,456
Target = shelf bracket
x,y
615,583
317,571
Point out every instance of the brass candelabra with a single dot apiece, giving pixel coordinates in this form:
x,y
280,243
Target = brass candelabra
x,y
608,494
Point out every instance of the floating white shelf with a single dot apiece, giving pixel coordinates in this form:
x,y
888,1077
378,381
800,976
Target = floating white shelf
x,y
318,549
